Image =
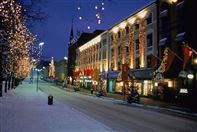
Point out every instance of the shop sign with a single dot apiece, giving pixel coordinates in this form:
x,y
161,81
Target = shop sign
x,y
104,76
113,75
183,90
141,74
124,72
159,77
183,74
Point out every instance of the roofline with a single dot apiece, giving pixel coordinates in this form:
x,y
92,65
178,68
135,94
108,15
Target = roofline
x,y
144,7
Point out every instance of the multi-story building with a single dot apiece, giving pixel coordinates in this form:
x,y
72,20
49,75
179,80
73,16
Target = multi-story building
x,y
92,60
133,41
177,43
73,45
158,43
61,70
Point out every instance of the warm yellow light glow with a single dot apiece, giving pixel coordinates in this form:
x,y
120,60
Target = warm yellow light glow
x,y
132,20
142,44
170,84
115,29
90,43
195,61
142,14
18,37
106,67
173,1
123,25
101,69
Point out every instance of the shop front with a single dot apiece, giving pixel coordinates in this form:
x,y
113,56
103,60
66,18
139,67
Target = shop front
x,y
113,84
142,80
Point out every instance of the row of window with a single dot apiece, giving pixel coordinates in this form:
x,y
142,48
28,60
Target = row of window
x,y
136,27
149,40
150,63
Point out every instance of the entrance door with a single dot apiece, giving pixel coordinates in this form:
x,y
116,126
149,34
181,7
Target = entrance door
x,y
111,85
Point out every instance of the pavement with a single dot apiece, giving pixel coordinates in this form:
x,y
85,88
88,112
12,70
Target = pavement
x,y
25,109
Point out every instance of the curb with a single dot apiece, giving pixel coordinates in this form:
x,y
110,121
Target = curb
x,y
163,109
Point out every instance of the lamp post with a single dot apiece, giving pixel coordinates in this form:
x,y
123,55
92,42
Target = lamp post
x,y
40,49
37,72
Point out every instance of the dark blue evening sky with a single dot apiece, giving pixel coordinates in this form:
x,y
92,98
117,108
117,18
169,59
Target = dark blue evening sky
x,y
55,30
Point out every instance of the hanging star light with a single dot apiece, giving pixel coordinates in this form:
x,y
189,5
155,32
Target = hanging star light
x,y
98,9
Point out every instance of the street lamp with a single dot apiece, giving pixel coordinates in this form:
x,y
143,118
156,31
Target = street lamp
x,y
37,71
190,76
65,58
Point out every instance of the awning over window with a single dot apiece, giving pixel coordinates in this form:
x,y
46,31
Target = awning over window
x,y
163,13
141,74
180,36
180,5
162,41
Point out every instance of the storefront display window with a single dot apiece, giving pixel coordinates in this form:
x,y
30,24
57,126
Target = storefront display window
x,y
147,90
119,86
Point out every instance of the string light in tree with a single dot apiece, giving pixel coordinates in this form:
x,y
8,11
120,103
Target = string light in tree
x,y
19,37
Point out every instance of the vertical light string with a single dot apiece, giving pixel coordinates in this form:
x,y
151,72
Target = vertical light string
x,y
142,43
131,47
122,45
115,47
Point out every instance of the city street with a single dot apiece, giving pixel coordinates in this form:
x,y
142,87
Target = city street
x,y
117,114
98,66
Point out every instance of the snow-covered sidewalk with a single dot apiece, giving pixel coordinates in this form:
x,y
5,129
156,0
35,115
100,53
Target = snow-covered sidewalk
x,y
25,110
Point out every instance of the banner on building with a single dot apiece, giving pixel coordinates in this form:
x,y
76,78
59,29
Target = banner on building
x,y
187,54
125,70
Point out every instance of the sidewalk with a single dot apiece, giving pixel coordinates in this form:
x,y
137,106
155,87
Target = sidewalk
x,y
25,110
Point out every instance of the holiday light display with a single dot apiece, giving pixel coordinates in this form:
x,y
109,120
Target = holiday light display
x,y
122,45
52,69
131,47
18,36
115,47
142,39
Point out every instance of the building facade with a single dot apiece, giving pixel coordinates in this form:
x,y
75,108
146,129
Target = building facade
x,y
133,41
177,44
72,47
61,70
157,44
92,60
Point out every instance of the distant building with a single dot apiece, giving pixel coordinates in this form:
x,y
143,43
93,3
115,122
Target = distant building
x,y
61,70
73,45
